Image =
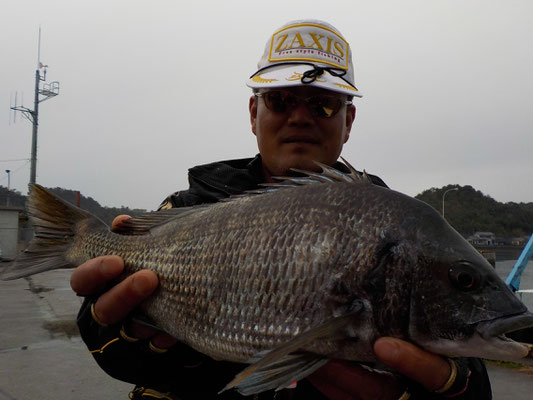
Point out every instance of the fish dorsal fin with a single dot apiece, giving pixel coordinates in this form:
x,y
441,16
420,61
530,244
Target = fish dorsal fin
x,y
327,175
356,175
283,365
142,224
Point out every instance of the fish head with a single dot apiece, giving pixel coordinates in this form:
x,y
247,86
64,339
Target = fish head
x,y
459,306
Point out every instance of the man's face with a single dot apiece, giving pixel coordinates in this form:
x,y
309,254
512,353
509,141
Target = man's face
x,y
296,138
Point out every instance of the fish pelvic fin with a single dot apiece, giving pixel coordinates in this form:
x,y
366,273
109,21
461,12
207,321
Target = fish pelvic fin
x,y
280,374
54,222
286,364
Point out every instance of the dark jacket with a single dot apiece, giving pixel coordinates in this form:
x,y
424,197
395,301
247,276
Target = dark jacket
x,y
211,182
186,373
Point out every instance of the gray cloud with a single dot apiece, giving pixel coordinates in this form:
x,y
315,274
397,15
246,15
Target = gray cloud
x,y
150,89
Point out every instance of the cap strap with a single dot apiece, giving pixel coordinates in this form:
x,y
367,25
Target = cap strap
x,y
311,75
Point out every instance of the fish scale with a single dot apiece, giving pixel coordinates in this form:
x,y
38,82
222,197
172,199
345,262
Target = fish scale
x,y
296,276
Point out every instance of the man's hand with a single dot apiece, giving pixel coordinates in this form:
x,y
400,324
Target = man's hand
x,y
114,305
428,369
340,380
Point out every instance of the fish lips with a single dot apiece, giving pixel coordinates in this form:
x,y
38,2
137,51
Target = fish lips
x,y
503,325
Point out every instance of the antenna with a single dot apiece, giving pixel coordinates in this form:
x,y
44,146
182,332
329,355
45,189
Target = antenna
x,y
39,50
48,91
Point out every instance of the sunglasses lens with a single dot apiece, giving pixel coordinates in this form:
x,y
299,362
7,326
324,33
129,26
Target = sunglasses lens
x,y
279,102
318,106
324,106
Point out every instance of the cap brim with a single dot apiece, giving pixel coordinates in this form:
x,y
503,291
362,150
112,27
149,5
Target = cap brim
x,y
291,75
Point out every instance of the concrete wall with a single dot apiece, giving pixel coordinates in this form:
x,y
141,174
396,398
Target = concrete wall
x,y
9,232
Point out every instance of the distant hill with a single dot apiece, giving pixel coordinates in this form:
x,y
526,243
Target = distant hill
x,y
106,214
469,210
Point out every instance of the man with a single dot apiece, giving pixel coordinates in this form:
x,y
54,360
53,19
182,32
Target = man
x,y
300,112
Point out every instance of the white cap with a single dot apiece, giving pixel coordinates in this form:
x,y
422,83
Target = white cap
x,y
306,52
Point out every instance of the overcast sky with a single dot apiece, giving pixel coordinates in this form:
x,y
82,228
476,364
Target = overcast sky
x,y
151,88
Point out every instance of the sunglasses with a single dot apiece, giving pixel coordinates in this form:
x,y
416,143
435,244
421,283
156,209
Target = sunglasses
x,y
323,105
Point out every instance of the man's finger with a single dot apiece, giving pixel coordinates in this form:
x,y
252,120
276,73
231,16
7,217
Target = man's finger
x,y
120,300
91,276
164,340
344,380
428,369
158,338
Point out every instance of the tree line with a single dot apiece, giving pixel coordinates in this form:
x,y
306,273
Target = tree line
x,y
106,214
466,209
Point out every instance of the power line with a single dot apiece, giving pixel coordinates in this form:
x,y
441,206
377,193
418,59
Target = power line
x,y
17,159
4,177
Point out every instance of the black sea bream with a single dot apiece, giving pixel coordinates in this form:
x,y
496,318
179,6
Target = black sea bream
x,y
311,272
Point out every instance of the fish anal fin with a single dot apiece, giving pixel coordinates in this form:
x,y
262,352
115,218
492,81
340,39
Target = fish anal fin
x,y
280,366
281,374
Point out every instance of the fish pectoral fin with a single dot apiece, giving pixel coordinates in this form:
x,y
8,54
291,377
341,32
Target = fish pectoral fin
x,y
278,374
279,368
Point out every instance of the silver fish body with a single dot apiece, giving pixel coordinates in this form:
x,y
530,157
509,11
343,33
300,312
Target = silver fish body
x,y
321,270
240,277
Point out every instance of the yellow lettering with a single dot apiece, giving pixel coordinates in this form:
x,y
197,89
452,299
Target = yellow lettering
x,y
329,45
282,40
340,49
297,38
316,41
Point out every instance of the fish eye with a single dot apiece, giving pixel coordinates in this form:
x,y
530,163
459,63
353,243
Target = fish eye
x,y
464,276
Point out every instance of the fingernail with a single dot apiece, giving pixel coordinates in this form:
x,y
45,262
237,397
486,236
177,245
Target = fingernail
x,y
143,285
110,267
164,341
387,350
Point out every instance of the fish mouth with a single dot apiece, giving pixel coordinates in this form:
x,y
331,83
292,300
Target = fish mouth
x,y
500,347
500,326
488,340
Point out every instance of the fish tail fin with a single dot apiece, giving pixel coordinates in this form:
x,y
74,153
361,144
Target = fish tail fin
x,y
55,223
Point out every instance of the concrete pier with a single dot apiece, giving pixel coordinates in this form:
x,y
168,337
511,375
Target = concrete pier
x,y
42,356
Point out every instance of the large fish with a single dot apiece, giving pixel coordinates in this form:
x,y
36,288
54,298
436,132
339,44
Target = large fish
x,y
289,279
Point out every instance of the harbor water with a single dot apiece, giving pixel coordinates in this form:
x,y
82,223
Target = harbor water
x,y
503,268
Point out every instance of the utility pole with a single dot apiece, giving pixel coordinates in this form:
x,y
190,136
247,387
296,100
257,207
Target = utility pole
x,y
48,91
8,186
35,121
